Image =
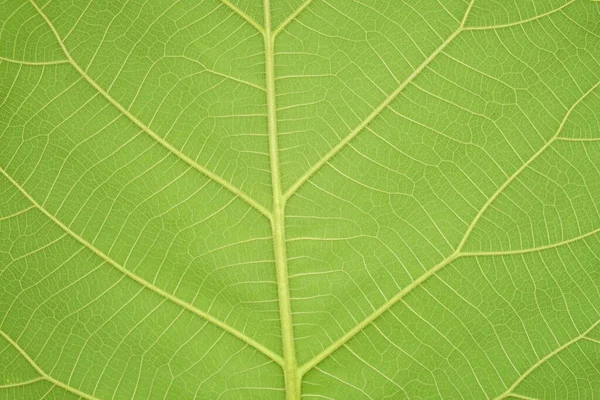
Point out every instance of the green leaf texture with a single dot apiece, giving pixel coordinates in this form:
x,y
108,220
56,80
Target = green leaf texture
x,y
285,199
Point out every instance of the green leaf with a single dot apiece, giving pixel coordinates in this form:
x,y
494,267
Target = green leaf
x,y
320,199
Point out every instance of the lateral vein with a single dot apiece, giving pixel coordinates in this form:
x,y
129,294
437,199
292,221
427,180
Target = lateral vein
x,y
179,154
33,63
457,253
44,375
382,106
542,360
22,383
514,176
379,312
516,23
531,249
292,17
245,16
189,307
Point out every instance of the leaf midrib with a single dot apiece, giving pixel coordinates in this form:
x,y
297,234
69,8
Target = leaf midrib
x,y
290,365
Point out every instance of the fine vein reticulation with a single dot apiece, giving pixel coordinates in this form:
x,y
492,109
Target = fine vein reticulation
x,y
276,215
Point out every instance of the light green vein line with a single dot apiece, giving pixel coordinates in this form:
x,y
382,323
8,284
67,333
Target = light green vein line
x,y
380,311
44,375
34,63
382,106
189,307
23,383
16,213
524,21
520,396
245,16
416,283
217,73
529,250
569,139
289,19
514,176
192,163
543,360
591,340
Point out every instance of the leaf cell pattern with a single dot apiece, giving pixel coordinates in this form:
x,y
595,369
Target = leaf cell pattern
x,y
316,199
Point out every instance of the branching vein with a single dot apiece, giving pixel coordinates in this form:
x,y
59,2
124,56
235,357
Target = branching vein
x,y
529,250
179,154
293,373
524,21
43,374
189,307
448,260
33,63
245,16
382,106
542,360
292,17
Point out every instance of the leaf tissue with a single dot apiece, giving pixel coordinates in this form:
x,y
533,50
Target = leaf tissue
x,y
299,199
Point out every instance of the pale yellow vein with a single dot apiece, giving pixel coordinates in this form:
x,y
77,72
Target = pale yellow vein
x,y
542,360
382,106
178,153
43,374
189,307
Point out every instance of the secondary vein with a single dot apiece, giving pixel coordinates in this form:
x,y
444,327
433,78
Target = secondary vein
x,y
244,16
179,154
457,253
189,307
44,375
382,106
543,360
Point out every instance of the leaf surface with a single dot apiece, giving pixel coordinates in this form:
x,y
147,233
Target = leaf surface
x,y
320,199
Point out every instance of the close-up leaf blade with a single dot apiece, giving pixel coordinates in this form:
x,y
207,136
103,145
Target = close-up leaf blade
x,y
287,199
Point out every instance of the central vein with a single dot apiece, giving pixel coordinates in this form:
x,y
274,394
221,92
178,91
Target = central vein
x,y
290,365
